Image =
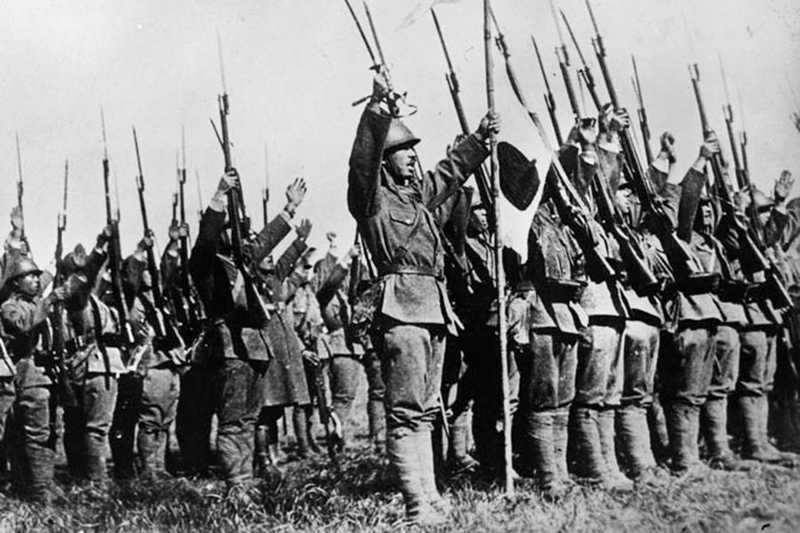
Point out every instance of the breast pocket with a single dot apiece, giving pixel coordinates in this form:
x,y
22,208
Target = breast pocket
x,y
405,217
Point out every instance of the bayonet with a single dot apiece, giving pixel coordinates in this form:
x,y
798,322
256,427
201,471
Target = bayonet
x,y
549,99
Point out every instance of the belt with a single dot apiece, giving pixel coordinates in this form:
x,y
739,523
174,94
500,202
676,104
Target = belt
x,y
412,269
732,291
81,342
562,290
699,284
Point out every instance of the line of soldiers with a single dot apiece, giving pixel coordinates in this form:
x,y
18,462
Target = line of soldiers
x,y
64,344
609,378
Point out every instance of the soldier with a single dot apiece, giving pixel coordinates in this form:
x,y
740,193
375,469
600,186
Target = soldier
x,y
94,359
285,380
546,323
237,353
393,206
343,352
599,375
687,352
156,360
642,340
24,318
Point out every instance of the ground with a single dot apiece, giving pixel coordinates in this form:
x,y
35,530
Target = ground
x,y
358,494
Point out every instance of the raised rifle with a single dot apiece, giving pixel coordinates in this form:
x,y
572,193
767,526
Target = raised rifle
x,y
563,65
256,314
644,127
584,72
236,211
265,190
65,391
549,99
484,189
114,255
753,259
600,270
157,320
640,276
20,191
676,250
194,313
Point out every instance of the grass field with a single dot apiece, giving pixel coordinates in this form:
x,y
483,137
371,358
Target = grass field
x,y
359,494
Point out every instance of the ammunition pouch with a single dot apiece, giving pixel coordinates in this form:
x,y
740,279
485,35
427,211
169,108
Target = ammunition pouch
x,y
699,284
732,291
561,290
81,342
757,292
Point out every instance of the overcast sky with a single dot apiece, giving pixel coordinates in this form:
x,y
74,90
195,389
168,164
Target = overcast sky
x,y
293,68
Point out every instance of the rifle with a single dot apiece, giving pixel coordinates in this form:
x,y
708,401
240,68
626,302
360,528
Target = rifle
x,y
752,258
484,189
676,250
158,320
65,390
255,315
114,255
584,71
600,269
378,62
643,126
563,65
236,212
20,191
549,100
193,312
265,193
640,277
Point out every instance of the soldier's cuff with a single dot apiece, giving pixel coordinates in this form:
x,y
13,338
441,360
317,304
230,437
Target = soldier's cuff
x,y
218,203
661,165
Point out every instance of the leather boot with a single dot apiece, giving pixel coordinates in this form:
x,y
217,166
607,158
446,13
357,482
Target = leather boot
x,y
614,479
714,415
312,441
405,455
40,483
376,415
683,425
147,445
539,441
300,424
560,441
586,438
633,436
659,436
459,458
260,455
424,442
788,459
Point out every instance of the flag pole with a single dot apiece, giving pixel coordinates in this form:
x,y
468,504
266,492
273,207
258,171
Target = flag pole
x,y
498,257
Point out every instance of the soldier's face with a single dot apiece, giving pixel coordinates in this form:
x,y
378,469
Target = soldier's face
x,y
29,284
402,163
481,218
707,215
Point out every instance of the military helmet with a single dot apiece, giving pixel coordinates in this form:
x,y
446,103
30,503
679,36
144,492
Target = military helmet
x,y
20,266
17,266
75,261
399,136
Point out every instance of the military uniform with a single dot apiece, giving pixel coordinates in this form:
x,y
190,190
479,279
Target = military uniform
x,y
285,380
94,363
413,313
687,359
546,322
237,355
24,322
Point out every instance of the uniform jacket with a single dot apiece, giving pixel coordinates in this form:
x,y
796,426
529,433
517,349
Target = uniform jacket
x,y
397,223
285,380
334,302
27,337
209,272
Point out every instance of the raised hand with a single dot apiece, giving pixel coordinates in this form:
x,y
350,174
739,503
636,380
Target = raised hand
x,y
783,186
